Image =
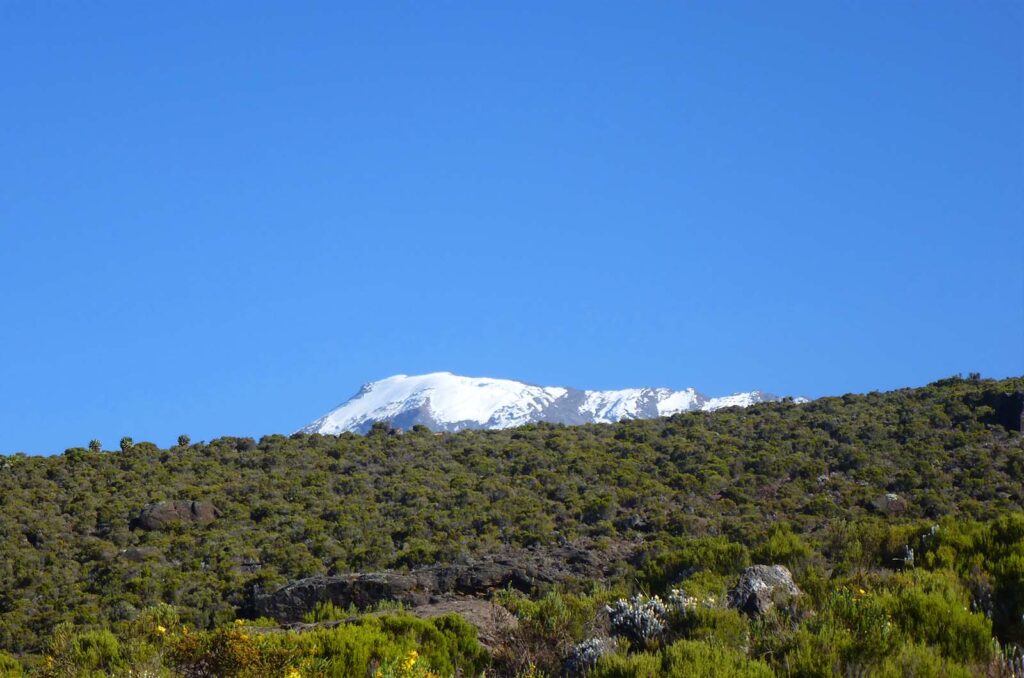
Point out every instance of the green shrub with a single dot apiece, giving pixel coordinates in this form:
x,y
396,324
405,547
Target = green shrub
x,y
716,554
9,666
920,661
682,659
720,627
934,619
86,653
783,547
693,659
325,610
641,665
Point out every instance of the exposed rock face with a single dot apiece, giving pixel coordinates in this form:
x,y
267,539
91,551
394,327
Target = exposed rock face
x,y
522,570
760,587
162,514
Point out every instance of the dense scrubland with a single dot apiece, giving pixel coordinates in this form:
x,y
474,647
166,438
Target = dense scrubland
x,y
900,516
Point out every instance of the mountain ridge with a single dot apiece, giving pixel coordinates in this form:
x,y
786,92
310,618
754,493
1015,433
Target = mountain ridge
x,y
444,401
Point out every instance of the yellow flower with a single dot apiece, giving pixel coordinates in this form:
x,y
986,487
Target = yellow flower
x,y
161,630
410,660
292,673
861,591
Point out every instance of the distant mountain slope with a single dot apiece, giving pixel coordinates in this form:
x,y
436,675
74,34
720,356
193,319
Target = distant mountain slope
x,y
443,401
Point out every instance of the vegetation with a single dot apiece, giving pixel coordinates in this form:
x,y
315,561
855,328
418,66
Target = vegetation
x,y
900,515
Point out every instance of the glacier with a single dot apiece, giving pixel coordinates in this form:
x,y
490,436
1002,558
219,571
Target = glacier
x,y
443,401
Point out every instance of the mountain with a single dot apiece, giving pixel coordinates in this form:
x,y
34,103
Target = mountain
x,y
443,401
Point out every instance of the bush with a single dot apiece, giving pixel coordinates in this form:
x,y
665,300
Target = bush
x,y
692,659
920,661
682,659
640,620
584,656
936,620
721,627
9,666
684,557
325,610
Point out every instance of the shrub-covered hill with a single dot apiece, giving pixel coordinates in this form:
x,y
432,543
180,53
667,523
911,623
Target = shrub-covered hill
x,y
828,487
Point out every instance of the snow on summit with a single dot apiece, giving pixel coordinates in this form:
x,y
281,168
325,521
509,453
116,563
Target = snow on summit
x,y
443,401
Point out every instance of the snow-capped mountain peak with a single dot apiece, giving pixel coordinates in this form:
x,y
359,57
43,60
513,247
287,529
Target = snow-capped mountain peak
x,y
444,401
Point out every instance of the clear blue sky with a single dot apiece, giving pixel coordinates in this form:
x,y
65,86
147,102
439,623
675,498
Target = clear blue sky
x,y
222,218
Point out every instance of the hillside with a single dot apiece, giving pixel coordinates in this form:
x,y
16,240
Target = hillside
x,y
838,488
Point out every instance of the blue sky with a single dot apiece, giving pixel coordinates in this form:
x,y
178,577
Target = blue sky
x,y
222,218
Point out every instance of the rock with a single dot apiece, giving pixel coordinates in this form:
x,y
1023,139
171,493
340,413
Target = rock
x,y
162,514
139,554
890,504
522,569
760,587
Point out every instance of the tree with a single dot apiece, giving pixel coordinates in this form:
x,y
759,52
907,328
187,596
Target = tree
x,y
126,443
184,440
95,445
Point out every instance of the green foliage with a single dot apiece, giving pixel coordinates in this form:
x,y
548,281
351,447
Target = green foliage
x,y
547,627
323,611
88,653
681,557
943,619
683,501
9,666
783,547
442,646
716,626
920,661
683,659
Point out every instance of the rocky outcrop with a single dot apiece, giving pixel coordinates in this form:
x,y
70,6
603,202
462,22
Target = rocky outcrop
x,y
522,570
760,587
163,514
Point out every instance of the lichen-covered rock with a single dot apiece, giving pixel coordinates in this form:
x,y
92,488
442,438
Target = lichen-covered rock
x,y
760,587
162,514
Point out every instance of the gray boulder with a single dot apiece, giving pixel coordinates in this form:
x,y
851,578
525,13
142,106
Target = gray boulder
x,y
163,514
760,587
890,504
